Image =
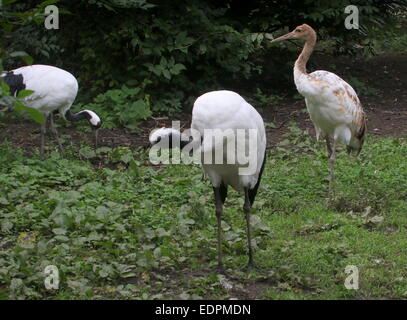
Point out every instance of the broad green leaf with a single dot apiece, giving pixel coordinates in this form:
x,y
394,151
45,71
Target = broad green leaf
x,y
166,74
24,93
59,231
23,55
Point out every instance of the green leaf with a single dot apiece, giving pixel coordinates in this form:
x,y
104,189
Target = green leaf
x,y
7,2
6,225
134,168
87,152
36,115
59,231
176,69
270,125
166,74
33,113
23,55
24,93
47,3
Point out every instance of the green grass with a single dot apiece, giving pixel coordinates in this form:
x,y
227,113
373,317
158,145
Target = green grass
x,y
133,231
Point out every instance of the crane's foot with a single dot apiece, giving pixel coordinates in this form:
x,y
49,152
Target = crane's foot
x,y
220,269
250,266
254,268
42,156
331,189
332,186
61,151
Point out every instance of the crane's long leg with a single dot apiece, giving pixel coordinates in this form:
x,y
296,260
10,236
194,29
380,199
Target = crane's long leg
x,y
332,160
55,132
42,137
219,211
328,146
96,137
246,209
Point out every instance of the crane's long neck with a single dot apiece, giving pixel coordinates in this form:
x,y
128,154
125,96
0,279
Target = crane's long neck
x,y
177,136
77,116
89,115
301,63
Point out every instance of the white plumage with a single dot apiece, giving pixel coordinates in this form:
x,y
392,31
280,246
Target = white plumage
x,y
227,112
333,105
54,90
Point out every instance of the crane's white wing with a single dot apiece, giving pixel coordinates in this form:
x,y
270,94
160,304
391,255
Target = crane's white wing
x,y
331,102
227,112
53,88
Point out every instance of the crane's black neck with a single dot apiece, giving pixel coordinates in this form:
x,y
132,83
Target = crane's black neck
x,y
77,116
181,145
14,81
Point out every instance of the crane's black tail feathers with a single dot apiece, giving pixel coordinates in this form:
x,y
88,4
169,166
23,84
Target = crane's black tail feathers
x,y
253,192
223,190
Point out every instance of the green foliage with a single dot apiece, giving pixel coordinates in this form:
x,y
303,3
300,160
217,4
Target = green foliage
x,y
10,102
297,140
375,19
142,232
10,21
21,29
360,87
167,58
174,51
263,99
121,107
393,40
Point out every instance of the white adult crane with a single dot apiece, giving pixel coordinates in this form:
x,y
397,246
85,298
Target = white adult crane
x,y
227,112
54,89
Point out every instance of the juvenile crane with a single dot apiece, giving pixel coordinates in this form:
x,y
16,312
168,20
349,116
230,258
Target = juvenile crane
x,y
54,89
332,104
225,112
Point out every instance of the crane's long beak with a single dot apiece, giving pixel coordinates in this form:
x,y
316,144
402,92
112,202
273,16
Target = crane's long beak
x,y
287,36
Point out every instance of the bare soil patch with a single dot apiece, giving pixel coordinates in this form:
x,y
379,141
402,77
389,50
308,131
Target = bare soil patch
x,y
386,109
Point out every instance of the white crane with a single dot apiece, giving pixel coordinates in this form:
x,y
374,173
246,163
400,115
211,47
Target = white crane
x,y
225,112
54,89
332,104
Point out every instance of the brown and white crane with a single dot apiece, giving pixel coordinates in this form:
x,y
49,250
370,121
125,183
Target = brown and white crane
x,y
332,103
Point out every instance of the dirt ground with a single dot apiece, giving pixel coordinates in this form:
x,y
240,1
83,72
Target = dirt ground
x,y
386,109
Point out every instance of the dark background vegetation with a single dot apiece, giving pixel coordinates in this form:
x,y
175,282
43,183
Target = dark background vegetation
x,y
136,58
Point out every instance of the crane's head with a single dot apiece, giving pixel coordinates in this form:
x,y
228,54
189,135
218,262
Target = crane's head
x,y
163,135
157,134
168,138
302,32
95,123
